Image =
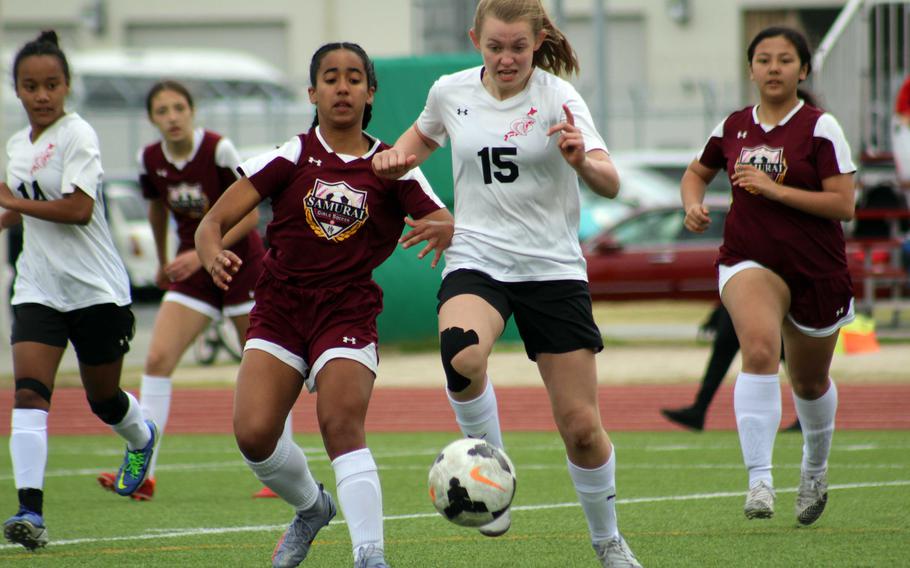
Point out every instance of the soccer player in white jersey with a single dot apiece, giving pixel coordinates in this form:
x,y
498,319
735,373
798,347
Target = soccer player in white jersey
x,y
70,284
782,266
520,138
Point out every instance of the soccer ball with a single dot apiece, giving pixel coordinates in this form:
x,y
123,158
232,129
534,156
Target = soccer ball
x,y
472,483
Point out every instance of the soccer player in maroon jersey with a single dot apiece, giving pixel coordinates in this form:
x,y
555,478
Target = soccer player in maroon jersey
x,y
782,266
314,322
184,174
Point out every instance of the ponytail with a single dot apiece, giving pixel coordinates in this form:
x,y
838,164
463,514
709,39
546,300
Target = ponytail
x,y
556,54
808,97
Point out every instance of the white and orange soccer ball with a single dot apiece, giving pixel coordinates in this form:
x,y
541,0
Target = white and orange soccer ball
x,y
472,483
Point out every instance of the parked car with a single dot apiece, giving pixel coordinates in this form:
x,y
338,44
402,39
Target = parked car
x,y
638,188
650,255
668,164
127,215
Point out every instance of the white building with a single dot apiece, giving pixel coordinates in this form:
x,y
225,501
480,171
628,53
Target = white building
x,y
671,69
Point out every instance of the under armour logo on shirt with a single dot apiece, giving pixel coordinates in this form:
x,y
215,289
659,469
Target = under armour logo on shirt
x,y
161,173
313,160
462,111
741,134
351,340
839,313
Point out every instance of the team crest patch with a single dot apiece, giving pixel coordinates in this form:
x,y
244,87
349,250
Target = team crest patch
x,y
335,210
521,126
188,199
769,160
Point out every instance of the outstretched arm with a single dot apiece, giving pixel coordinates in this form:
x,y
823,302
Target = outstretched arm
x,y
411,150
235,204
436,229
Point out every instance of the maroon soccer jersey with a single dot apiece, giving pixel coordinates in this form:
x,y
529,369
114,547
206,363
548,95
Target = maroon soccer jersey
x,y
807,147
191,189
334,220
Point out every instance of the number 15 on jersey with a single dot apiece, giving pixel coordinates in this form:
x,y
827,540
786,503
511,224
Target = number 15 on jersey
x,y
506,171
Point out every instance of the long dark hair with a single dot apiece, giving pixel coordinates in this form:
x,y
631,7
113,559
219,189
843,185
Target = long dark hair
x,y
316,61
555,55
168,85
45,44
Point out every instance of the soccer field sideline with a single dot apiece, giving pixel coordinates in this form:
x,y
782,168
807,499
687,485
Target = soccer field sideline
x,y
180,533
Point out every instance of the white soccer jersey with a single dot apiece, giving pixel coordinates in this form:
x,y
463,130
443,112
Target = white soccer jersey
x,y
63,266
516,198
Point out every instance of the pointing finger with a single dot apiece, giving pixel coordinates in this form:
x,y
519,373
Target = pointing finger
x,y
570,118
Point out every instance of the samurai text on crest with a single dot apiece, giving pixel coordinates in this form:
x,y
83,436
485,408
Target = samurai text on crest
x,y
335,210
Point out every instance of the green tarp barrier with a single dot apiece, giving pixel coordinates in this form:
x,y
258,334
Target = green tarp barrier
x,y
409,284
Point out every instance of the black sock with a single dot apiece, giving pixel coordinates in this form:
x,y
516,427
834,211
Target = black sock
x,y
32,499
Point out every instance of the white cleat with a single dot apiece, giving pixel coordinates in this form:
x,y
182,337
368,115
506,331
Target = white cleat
x,y
811,497
615,553
760,501
497,527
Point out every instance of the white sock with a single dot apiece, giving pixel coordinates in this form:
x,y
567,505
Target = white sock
x,y
28,447
133,428
288,431
596,490
816,418
286,473
479,418
756,402
360,497
155,398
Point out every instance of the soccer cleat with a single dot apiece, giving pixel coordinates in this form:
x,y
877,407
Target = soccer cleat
x,y
265,493
615,553
26,528
145,492
497,527
760,501
135,466
294,544
686,416
811,497
107,480
370,556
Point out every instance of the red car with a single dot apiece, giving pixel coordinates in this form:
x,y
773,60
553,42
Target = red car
x,y
650,255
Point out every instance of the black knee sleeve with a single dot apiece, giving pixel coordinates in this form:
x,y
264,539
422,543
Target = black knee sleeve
x,y
35,386
112,410
451,342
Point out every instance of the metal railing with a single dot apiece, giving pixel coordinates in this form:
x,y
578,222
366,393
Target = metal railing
x,y
859,67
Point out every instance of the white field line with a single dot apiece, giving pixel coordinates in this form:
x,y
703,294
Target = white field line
x,y
153,534
318,453
237,464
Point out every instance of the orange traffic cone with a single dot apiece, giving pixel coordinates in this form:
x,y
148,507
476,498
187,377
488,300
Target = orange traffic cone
x,y
858,337
265,493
